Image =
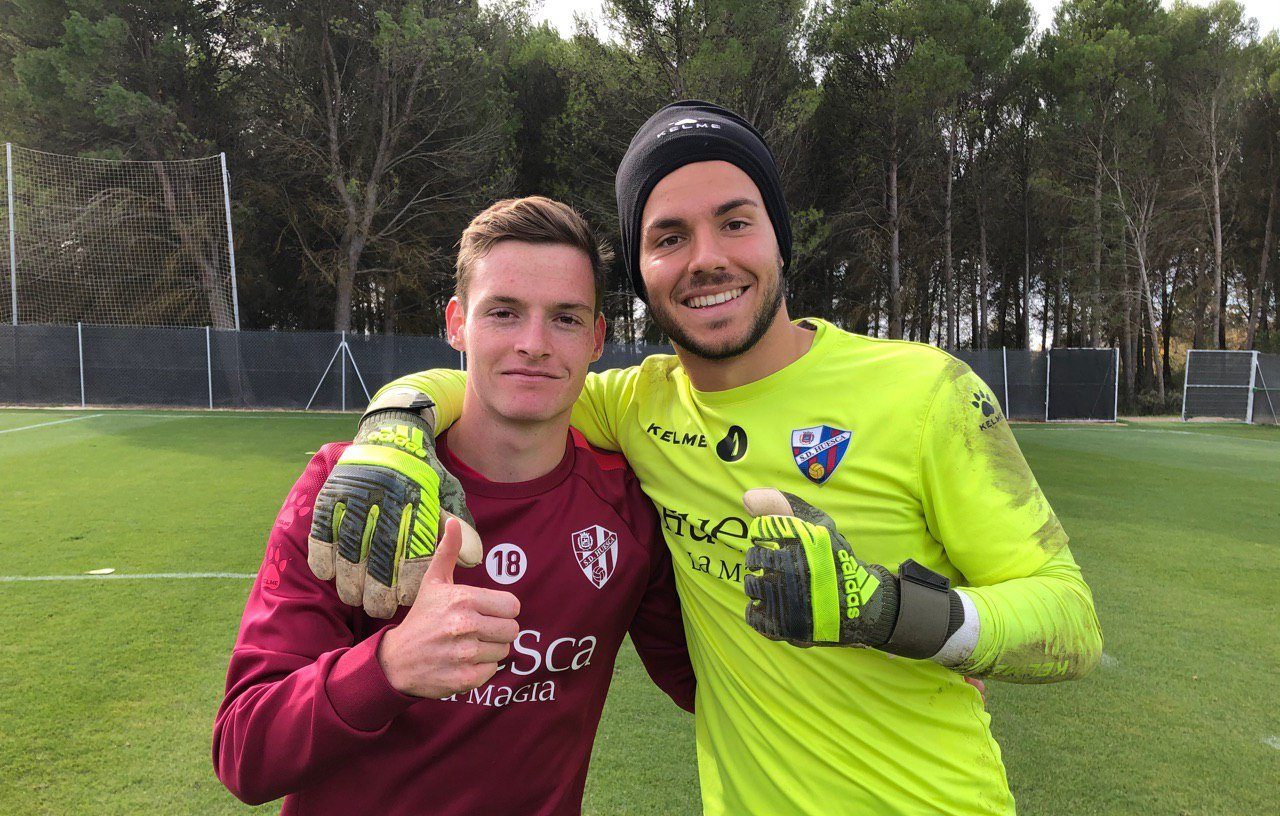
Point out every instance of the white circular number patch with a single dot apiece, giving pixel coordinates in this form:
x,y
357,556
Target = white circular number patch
x,y
506,563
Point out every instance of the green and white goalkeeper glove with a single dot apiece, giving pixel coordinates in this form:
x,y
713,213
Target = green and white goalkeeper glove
x,y
381,512
805,586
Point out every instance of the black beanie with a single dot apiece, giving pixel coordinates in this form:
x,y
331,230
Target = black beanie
x,y
683,133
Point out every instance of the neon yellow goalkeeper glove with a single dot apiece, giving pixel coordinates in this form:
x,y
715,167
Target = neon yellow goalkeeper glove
x,y
378,518
805,586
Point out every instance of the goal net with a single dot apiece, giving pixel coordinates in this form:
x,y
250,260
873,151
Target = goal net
x,y
1240,385
117,242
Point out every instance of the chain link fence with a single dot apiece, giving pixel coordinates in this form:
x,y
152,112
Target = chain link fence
x,y
210,368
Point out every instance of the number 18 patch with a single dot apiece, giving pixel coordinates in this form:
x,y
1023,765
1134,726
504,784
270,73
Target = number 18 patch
x,y
818,450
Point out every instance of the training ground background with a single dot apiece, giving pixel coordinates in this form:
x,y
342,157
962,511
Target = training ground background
x,y
108,687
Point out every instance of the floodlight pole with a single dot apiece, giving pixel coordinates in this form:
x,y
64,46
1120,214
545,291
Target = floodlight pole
x,y
13,248
231,246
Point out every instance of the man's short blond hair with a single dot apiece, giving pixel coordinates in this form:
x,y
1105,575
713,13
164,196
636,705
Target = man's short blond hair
x,y
535,220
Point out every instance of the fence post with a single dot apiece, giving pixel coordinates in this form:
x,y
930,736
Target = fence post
x,y
231,246
1004,360
13,247
1115,399
1186,378
342,347
1253,379
208,363
80,349
1048,362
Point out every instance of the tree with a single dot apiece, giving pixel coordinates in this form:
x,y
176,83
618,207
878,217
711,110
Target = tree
x,y
120,80
1211,41
388,124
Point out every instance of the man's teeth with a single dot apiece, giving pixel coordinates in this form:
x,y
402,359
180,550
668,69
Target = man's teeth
x,y
712,300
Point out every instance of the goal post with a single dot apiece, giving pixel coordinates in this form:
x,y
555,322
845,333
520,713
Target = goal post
x,y
119,242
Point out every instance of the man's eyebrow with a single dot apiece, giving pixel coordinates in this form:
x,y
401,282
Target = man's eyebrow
x,y
508,300
728,206
733,205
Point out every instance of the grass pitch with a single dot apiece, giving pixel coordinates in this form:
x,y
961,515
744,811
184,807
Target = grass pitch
x,y
108,687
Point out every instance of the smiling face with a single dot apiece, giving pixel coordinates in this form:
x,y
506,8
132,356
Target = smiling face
x,y
529,328
710,261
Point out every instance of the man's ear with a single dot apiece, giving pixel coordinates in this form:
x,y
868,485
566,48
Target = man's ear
x,y
455,320
600,331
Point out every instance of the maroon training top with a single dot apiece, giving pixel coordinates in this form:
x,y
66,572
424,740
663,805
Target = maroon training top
x,y
309,714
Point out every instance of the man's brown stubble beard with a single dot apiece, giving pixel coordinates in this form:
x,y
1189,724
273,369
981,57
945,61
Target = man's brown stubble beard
x,y
763,319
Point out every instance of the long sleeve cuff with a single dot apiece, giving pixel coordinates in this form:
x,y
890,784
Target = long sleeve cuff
x,y
359,691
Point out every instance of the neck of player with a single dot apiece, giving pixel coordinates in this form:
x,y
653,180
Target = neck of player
x,y
781,345
503,450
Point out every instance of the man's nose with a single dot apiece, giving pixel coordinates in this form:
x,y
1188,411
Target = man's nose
x,y
533,339
707,251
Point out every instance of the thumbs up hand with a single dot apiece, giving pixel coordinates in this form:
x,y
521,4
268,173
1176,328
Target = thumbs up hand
x,y
454,636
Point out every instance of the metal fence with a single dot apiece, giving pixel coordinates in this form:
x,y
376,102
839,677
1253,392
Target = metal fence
x,y
1065,384
1226,384
209,368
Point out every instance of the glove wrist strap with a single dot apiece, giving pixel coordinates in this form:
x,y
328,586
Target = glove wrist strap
x,y
403,398
925,613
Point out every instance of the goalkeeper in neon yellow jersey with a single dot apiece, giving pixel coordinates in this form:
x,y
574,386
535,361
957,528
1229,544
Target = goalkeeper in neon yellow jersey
x,y
852,524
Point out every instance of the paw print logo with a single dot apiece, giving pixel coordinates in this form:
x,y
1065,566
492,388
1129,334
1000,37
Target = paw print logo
x,y
274,567
296,508
982,402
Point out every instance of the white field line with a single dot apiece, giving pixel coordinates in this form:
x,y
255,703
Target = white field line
x,y
14,579
47,424
1272,742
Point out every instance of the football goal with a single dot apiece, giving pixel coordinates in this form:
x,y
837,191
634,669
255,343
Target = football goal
x,y
135,243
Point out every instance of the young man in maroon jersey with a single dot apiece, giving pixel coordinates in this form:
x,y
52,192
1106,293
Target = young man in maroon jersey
x,y
484,695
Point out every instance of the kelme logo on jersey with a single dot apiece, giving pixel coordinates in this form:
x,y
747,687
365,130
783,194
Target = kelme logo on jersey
x,y
819,450
734,445
597,552
990,413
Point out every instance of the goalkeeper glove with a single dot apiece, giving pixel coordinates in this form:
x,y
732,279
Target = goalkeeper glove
x,y
806,586
379,515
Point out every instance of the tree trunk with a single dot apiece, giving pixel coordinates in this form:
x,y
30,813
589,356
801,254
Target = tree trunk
x,y
1255,312
895,271
1151,321
1219,313
974,333
1096,306
983,336
1166,322
951,315
1026,248
1130,342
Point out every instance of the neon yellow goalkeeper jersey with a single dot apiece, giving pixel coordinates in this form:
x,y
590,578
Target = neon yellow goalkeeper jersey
x,y
909,453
